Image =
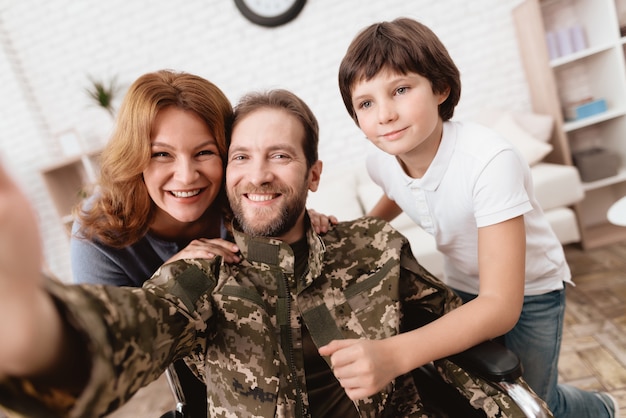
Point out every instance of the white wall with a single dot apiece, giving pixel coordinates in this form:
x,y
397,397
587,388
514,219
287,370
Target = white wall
x,y
50,47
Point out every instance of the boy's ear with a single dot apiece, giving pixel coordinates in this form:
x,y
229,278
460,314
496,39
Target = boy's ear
x,y
443,96
315,173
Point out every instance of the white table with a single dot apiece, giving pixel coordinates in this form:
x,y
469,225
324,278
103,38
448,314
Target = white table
x,y
617,212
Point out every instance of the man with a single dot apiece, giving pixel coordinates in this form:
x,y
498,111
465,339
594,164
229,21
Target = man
x,y
255,331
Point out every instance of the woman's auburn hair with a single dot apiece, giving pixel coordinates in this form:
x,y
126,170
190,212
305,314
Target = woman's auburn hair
x,y
120,211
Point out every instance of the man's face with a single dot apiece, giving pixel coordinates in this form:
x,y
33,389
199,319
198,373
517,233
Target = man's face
x,y
267,179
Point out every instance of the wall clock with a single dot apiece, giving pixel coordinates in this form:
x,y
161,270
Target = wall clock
x,y
270,13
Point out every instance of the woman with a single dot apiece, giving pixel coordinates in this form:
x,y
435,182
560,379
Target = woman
x,y
159,196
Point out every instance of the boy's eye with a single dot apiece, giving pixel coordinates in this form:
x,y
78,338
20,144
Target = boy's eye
x,y
401,90
365,105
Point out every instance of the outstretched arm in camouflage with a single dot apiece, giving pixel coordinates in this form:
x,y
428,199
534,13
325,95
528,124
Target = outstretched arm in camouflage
x,y
34,342
30,327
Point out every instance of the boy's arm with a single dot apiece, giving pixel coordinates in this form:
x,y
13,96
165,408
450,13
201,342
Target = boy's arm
x,y
386,209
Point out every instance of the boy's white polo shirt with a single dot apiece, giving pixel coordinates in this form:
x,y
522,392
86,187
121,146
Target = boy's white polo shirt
x,y
476,179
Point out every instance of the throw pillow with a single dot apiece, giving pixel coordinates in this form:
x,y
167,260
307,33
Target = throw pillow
x,y
532,149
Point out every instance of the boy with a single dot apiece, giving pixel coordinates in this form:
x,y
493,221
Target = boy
x,y
473,192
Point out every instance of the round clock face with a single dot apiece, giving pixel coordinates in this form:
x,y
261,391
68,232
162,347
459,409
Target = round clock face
x,y
270,12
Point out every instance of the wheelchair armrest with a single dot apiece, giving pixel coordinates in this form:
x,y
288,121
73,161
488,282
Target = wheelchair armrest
x,y
490,360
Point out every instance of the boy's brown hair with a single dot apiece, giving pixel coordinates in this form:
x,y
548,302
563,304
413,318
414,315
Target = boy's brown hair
x,y
401,46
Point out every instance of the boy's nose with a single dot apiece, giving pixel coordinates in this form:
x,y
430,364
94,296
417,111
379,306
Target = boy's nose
x,y
386,112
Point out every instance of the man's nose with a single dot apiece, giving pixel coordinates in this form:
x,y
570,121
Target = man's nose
x,y
259,172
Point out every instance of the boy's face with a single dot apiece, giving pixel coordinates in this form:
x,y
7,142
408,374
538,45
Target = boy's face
x,y
399,113
267,179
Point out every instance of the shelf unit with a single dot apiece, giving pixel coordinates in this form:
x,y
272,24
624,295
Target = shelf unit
x,y
68,180
597,71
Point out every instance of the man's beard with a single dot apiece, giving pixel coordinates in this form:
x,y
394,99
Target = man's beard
x,y
269,222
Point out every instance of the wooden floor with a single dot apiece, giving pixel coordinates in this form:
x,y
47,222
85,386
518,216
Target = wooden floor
x,y
593,353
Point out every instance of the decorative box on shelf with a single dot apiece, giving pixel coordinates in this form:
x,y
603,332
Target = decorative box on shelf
x,y
596,163
585,108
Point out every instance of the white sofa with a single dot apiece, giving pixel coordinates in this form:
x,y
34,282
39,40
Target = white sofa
x,y
347,192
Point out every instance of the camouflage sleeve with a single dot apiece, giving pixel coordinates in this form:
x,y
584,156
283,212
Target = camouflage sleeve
x,y
132,336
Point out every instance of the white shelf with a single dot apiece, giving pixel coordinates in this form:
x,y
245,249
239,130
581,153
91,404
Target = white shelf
x,y
558,62
573,125
67,181
609,181
596,72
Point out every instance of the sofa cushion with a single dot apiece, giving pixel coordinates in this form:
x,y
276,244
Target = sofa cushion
x,y
337,194
538,125
556,185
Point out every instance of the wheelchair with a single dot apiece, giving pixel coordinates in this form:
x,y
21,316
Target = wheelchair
x,y
490,361
495,365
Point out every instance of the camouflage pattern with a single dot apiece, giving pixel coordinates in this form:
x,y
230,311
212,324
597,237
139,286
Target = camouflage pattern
x,y
239,325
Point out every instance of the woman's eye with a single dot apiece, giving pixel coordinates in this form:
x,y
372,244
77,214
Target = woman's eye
x,y
159,154
207,152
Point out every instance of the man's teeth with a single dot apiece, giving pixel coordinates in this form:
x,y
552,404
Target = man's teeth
x,y
186,194
260,197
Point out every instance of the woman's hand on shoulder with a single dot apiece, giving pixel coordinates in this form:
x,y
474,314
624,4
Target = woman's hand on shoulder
x,y
209,248
321,222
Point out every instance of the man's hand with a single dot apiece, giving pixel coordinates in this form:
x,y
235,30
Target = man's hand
x,y
363,367
20,243
30,327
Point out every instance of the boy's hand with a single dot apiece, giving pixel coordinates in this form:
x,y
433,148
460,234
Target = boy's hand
x,y
363,367
321,222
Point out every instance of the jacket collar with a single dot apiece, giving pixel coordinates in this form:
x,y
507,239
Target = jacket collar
x,y
272,253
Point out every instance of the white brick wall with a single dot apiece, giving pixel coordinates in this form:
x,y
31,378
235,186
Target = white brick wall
x,y
50,47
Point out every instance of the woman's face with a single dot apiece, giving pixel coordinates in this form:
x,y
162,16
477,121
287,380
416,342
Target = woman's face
x,y
185,171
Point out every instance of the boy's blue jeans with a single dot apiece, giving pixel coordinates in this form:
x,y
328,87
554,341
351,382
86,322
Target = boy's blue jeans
x,y
536,339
